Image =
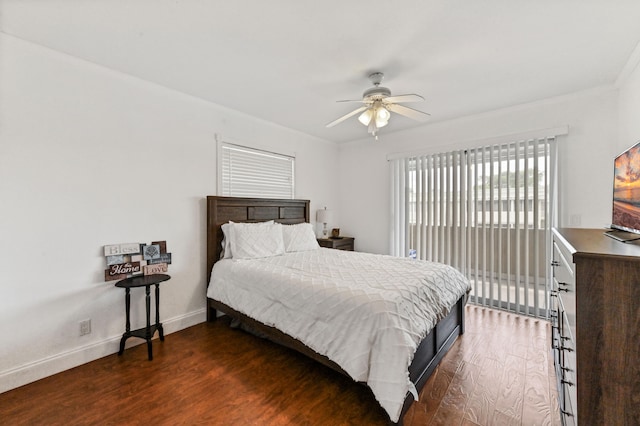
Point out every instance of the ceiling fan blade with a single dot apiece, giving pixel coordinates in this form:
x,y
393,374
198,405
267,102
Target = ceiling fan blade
x,y
350,100
344,117
408,112
404,98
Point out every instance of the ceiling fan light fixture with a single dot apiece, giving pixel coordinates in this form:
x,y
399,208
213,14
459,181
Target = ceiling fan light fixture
x,y
382,116
378,104
381,123
365,117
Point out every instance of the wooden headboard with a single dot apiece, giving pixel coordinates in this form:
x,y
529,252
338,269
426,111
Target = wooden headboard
x,y
221,210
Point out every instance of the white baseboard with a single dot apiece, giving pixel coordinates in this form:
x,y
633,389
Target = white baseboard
x,y
16,377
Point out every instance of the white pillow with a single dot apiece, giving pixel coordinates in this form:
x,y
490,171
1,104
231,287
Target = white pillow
x,y
299,237
227,236
256,240
226,241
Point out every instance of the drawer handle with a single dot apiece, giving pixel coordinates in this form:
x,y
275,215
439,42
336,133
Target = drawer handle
x,y
566,382
555,263
566,413
565,338
566,369
563,289
563,348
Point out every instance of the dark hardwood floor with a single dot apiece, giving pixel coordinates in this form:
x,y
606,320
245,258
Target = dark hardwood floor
x,y
498,373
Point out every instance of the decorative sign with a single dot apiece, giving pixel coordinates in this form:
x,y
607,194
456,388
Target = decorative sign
x,y
112,260
127,248
158,268
108,277
129,259
162,258
150,252
124,268
161,244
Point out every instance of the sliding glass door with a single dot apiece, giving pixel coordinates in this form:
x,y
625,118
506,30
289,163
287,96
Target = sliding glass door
x,y
486,211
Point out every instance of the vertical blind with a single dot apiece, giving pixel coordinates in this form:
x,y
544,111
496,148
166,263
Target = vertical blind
x,y
248,172
486,211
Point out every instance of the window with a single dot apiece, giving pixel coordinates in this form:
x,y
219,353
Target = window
x,y
248,172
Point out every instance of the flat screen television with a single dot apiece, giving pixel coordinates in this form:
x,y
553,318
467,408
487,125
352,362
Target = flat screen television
x,y
625,221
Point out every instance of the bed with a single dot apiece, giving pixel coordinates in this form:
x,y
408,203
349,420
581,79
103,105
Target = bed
x,y
333,267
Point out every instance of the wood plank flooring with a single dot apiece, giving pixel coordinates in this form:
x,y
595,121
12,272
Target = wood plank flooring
x,y
498,373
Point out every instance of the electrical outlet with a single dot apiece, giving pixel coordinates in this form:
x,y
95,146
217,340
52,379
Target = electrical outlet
x,y
575,219
85,327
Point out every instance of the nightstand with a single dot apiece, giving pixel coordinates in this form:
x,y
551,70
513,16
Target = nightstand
x,y
341,243
147,332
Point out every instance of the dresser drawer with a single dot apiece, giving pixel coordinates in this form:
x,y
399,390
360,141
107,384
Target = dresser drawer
x,y
566,333
568,300
567,387
568,408
563,270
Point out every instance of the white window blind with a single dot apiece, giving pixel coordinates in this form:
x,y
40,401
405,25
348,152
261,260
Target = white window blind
x,y
488,212
248,172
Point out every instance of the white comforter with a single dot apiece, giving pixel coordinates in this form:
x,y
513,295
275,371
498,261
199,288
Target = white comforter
x,y
366,312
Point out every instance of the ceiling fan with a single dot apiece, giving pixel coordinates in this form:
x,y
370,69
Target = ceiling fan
x,y
378,105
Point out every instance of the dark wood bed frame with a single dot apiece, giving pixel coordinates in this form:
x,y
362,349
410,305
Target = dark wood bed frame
x,y
221,210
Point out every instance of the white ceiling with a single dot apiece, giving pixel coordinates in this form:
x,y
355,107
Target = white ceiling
x,y
288,61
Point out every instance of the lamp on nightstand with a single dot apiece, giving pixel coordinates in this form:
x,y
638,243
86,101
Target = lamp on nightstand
x,y
323,216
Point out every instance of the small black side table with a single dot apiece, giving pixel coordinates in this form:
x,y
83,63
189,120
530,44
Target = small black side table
x,y
144,333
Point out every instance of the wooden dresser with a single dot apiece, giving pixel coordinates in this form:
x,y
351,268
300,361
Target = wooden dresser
x,y
596,327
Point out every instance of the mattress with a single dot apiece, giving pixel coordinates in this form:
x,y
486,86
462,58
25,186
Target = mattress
x,y
365,312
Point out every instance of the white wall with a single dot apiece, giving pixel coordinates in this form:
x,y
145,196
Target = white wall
x,y
585,160
629,110
90,157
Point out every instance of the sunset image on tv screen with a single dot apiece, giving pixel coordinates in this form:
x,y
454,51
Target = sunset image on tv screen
x,y
626,190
